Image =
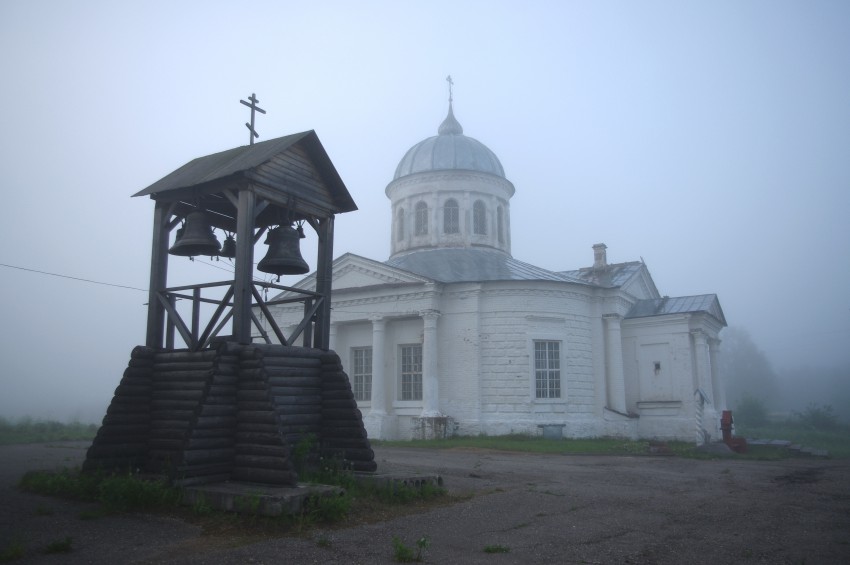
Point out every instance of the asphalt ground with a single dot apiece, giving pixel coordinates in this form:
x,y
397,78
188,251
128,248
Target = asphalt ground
x,y
539,508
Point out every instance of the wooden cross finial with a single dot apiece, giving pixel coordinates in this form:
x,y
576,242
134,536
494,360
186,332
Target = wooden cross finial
x,y
451,83
254,107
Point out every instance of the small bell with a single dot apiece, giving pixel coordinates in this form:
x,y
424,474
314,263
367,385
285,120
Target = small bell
x,y
228,248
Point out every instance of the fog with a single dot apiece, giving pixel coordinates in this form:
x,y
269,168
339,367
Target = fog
x,y
710,140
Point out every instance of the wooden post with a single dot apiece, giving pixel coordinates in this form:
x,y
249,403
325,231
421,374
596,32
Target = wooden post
x,y
324,280
159,275
244,271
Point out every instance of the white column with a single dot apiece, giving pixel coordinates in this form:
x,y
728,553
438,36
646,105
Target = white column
x,y
332,337
710,418
430,384
703,363
718,388
379,393
615,379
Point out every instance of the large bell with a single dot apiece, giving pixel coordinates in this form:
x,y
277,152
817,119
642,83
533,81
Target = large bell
x,y
197,237
228,248
284,255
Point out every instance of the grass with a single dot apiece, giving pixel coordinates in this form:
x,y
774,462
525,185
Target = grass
x,y
497,548
28,430
59,546
12,552
836,442
531,444
360,501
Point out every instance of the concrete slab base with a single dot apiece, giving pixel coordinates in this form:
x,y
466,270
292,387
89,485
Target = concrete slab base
x,y
269,500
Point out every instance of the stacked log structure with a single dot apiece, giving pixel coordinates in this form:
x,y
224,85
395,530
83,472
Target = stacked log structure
x,y
230,413
121,442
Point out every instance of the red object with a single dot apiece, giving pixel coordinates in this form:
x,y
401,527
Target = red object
x,y
736,444
726,425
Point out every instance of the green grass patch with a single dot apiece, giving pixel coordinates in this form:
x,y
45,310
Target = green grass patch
x,y
531,444
13,551
28,430
116,493
496,548
59,546
836,441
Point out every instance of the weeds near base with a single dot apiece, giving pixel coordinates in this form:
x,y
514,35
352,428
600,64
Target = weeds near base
x,y
115,492
59,546
497,548
14,550
406,554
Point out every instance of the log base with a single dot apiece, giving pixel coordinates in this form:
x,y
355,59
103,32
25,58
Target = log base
x,y
246,413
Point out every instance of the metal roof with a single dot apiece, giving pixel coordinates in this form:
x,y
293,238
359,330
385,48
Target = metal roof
x,y
451,265
610,276
449,150
707,303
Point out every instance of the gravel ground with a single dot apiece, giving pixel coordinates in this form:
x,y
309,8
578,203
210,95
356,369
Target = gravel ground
x,y
542,508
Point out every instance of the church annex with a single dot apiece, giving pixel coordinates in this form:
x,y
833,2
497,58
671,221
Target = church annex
x,y
452,335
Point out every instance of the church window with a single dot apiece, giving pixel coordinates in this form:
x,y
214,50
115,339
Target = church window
x,y
499,225
411,372
547,369
421,218
399,225
479,218
361,374
451,216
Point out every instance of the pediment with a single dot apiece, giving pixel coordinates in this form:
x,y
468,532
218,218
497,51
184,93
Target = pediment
x,y
354,271
641,285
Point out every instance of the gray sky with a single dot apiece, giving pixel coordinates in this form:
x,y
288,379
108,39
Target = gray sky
x,y
712,139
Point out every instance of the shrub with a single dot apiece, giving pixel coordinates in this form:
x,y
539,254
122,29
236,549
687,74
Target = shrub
x,y
818,417
751,411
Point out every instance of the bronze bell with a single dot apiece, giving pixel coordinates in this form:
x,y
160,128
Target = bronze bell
x,y
228,248
197,237
284,255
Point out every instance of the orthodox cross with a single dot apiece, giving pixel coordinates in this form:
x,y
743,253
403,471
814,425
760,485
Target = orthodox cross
x,y
451,83
254,107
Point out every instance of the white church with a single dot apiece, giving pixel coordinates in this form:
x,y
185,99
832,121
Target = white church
x,y
452,335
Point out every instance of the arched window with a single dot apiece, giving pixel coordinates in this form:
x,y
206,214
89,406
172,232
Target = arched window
x,y
479,218
421,218
451,216
399,225
500,228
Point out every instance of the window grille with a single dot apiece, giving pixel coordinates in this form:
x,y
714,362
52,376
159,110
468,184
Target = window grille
x,y
547,369
479,218
411,372
361,375
421,218
451,217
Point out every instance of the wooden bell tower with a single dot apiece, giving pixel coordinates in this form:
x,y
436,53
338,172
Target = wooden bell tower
x,y
224,407
246,191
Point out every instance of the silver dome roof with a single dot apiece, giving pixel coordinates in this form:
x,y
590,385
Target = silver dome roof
x,y
449,150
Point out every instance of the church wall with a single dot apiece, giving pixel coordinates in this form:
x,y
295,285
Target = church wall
x,y
660,380
511,319
459,370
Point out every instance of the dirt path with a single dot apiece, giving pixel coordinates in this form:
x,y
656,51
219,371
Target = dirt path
x,y
543,508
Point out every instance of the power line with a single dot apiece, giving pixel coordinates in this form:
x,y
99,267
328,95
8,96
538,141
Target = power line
x,y
109,284
70,277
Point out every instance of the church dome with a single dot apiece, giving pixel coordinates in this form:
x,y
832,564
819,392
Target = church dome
x,y
449,150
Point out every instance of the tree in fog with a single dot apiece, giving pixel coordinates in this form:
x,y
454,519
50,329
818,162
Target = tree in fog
x,y
745,370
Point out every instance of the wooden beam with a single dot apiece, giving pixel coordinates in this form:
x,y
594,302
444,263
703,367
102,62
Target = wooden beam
x,y
243,276
158,275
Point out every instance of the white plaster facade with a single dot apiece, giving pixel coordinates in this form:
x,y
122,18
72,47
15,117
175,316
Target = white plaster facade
x,y
452,330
